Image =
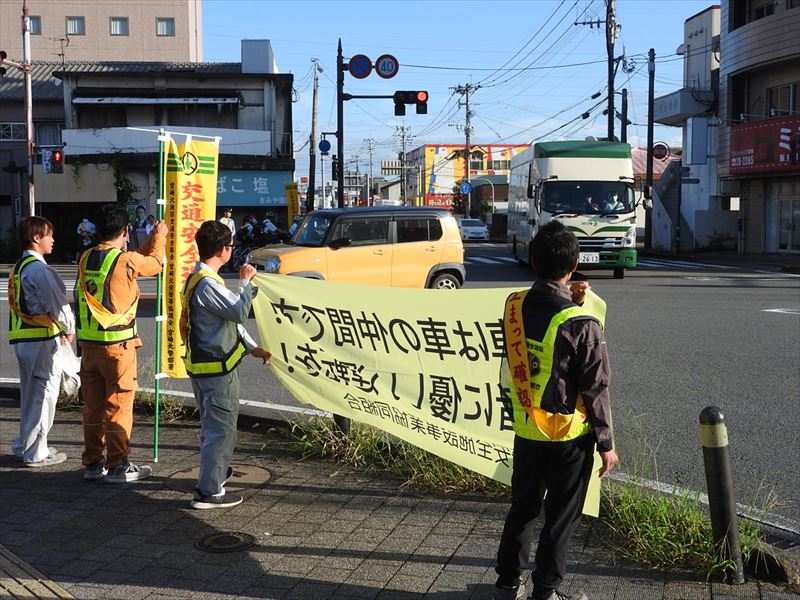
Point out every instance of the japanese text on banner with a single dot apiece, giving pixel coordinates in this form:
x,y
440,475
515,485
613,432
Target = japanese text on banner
x,y
413,363
190,176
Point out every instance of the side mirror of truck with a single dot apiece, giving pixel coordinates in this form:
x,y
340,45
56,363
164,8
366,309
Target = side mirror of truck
x,y
531,190
647,192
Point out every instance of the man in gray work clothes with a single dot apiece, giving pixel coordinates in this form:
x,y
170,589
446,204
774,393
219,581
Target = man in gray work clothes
x,y
216,342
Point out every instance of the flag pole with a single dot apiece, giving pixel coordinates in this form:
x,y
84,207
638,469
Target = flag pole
x,y
160,201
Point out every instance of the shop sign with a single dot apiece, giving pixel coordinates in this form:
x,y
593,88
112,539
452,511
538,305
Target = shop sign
x,y
771,145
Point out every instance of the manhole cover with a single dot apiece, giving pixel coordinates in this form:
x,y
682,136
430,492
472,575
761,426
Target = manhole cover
x,y
225,541
244,477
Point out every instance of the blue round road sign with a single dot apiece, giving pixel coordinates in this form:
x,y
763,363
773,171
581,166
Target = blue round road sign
x,y
465,188
360,66
325,146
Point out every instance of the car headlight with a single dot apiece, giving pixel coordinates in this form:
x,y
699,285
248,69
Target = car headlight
x,y
273,264
629,241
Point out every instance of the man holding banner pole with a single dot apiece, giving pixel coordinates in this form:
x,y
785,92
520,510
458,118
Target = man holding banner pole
x,y
107,297
211,325
559,371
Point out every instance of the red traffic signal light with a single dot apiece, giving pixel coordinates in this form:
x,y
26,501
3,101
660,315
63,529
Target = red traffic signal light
x,y
57,161
417,97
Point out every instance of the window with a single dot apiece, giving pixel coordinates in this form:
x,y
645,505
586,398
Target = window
x,y
362,232
35,25
12,132
76,26
782,100
119,25
763,10
420,229
49,134
165,26
498,165
475,161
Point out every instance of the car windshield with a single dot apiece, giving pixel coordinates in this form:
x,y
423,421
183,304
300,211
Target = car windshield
x,y
587,197
312,230
471,223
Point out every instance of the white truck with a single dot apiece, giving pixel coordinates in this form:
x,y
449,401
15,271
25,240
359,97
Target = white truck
x,y
586,185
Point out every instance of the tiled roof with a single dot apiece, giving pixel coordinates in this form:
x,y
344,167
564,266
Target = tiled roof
x,y
46,87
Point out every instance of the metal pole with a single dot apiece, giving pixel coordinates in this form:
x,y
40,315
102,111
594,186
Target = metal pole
x,y
611,34
324,203
26,71
160,212
467,131
721,501
340,123
312,150
624,133
648,213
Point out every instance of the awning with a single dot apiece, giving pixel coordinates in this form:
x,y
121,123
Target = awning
x,y
129,100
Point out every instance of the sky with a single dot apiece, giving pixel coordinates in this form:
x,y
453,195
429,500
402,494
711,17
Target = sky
x,y
536,68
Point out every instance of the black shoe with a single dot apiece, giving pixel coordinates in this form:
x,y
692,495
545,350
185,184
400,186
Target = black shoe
x,y
96,470
556,595
509,593
222,501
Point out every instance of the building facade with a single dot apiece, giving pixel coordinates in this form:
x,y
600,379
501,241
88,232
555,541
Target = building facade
x,y
116,30
433,171
759,110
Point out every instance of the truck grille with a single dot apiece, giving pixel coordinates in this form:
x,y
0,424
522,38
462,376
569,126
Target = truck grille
x,y
593,244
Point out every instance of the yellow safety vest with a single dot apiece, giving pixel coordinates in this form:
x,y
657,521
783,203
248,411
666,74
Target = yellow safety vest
x,y
199,363
24,327
98,321
531,364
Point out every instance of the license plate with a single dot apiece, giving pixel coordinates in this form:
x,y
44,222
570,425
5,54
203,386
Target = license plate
x,y
589,257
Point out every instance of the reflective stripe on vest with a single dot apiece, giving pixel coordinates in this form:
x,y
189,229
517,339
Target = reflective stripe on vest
x,y
531,365
207,366
93,290
24,327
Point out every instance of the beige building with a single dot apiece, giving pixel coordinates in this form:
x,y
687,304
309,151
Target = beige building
x,y
108,30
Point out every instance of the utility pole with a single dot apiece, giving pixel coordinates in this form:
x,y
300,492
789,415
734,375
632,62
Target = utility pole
x,y
340,69
466,90
611,36
648,213
370,145
403,131
312,150
26,70
624,131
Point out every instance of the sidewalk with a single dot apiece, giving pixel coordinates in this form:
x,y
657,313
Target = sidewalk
x,y
786,263
319,530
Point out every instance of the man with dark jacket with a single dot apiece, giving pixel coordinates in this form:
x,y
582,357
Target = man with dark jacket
x,y
559,372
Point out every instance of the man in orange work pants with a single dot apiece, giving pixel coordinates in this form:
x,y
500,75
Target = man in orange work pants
x,y
107,296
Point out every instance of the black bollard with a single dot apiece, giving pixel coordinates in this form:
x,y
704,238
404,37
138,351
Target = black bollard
x,y
342,423
719,481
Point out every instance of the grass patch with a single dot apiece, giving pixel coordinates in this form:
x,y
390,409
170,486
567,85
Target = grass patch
x,y
668,531
663,531
374,450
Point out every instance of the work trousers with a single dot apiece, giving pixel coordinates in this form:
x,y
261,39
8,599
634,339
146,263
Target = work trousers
x,y
39,384
562,470
218,401
108,387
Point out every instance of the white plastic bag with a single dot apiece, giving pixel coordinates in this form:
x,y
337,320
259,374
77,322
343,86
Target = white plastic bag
x,y
71,364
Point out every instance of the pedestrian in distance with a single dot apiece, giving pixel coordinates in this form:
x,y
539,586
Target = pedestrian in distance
x,y
296,220
151,222
211,325
138,228
86,237
227,220
107,297
41,323
562,410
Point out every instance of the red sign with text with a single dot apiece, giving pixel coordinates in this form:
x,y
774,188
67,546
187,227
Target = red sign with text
x,y
771,145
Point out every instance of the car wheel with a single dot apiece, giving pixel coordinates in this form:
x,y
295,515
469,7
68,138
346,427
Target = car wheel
x,y
445,281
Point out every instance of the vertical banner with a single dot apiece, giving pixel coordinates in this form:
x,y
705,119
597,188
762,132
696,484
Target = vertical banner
x,y
190,173
292,201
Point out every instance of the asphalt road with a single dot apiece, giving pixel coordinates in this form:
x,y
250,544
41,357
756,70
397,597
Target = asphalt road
x,y
681,337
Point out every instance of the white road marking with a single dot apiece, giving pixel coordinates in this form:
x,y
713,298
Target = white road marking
x,y
783,311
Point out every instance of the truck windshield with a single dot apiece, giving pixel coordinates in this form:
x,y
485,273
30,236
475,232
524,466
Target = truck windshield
x,y
312,230
587,197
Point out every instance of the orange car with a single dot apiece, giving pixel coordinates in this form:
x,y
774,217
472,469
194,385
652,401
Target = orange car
x,y
397,246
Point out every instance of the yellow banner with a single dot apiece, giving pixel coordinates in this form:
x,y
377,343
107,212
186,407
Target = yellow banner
x,y
292,200
190,175
423,365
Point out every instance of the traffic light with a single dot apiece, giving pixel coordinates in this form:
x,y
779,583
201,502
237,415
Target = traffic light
x,y
418,97
57,161
334,167
2,58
